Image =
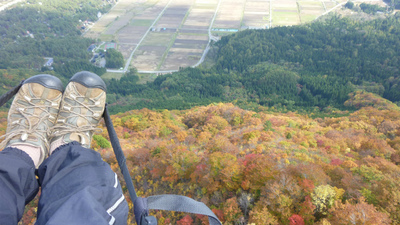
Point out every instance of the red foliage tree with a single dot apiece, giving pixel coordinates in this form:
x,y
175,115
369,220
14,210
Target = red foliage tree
x,y
307,210
257,170
307,185
187,220
296,220
219,213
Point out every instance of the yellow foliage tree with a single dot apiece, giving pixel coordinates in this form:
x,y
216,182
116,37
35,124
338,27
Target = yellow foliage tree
x,y
323,198
225,168
261,215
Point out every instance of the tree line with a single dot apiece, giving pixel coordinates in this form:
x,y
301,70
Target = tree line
x,y
36,29
307,66
317,64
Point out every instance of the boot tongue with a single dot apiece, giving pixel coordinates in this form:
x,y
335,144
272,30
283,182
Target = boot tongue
x,y
82,121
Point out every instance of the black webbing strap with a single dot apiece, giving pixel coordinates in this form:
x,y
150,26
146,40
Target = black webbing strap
x,y
119,154
7,96
171,203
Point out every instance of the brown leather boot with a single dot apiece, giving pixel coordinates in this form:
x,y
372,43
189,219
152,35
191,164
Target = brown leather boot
x,y
81,109
32,114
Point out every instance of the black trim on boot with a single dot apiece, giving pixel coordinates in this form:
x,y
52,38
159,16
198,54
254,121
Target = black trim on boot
x,y
48,81
89,80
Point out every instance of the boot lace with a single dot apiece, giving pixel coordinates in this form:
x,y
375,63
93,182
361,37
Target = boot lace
x,y
62,127
17,128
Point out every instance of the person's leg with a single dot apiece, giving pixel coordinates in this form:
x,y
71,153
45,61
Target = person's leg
x,y
78,187
18,184
32,113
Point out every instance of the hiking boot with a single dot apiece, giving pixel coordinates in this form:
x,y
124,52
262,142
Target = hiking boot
x,y
32,114
81,109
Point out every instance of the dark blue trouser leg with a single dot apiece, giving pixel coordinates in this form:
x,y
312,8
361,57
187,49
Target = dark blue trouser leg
x,y
18,184
78,187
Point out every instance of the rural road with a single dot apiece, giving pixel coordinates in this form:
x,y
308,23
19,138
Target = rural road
x,y
128,62
341,4
210,37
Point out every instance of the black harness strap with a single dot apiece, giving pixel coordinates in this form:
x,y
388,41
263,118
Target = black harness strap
x,y
7,96
119,154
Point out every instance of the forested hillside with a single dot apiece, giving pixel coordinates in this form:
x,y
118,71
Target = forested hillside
x,y
343,49
262,168
36,29
317,64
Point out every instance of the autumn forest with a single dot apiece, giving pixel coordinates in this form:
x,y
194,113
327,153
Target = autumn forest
x,y
268,168
262,167
290,125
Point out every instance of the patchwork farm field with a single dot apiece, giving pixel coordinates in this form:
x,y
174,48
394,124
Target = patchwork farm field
x,y
159,36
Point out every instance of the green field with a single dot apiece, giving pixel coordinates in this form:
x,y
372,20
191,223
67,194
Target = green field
x,y
107,37
308,3
143,77
146,77
141,23
158,39
110,75
307,18
282,18
204,6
